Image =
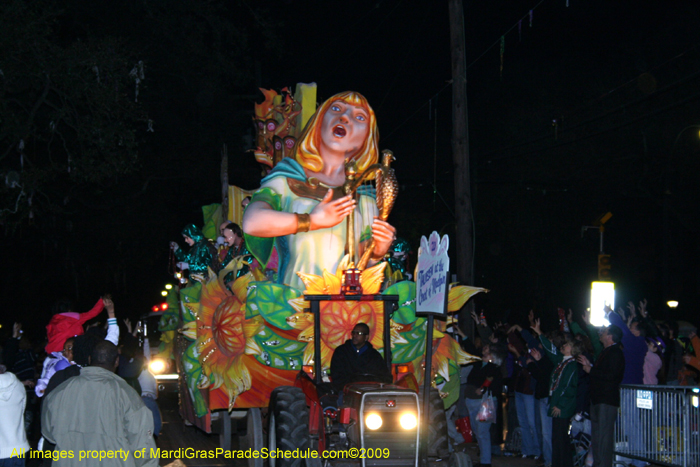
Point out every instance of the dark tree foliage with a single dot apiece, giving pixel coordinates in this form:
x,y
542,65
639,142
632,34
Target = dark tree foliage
x,y
68,113
112,120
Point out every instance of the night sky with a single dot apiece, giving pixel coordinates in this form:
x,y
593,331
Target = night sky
x,y
620,79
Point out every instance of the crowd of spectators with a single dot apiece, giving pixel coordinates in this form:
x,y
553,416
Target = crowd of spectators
x,y
547,382
87,388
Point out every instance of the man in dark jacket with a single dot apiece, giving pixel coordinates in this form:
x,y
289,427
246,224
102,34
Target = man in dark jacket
x,y
357,357
606,377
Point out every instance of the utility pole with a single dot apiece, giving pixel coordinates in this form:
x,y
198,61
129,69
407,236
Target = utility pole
x,y
464,251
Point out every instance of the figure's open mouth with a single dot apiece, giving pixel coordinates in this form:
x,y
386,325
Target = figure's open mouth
x,y
339,131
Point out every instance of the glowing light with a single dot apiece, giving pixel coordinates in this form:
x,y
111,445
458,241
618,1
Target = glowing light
x,y
373,421
168,286
156,366
164,293
672,303
163,306
602,294
408,421
155,308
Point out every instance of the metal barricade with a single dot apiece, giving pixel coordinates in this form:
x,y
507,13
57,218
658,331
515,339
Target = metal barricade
x,y
659,424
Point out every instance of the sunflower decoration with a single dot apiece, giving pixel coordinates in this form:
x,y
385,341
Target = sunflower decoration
x,y
224,335
339,318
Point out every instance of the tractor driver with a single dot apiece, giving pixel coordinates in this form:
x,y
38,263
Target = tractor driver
x,y
357,360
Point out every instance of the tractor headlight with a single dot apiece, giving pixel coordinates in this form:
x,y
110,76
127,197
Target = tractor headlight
x,y
373,421
408,421
157,366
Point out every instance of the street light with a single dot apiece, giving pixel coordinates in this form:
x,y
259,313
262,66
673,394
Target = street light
x,y
168,286
672,303
164,293
602,295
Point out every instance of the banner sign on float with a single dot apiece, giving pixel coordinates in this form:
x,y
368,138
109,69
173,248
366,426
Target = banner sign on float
x,y
433,268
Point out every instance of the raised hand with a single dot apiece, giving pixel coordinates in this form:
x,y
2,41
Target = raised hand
x,y
475,317
127,323
330,213
570,316
583,360
534,353
109,305
643,308
514,328
16,330
607,309
632,309
536,327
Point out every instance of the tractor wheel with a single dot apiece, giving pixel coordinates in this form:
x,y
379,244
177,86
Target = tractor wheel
x,y
460,459
289,426
437,430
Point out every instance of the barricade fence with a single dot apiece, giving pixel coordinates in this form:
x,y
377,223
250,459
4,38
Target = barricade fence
x,y
659,424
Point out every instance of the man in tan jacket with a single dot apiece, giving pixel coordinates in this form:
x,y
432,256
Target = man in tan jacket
x,y
97,419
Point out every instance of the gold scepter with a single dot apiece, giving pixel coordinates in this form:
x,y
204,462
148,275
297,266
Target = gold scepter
x,y
387,191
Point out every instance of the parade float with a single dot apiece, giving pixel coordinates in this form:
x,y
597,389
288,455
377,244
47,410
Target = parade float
x,y
242,331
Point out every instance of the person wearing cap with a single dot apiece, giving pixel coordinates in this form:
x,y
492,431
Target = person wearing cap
x,y
606,377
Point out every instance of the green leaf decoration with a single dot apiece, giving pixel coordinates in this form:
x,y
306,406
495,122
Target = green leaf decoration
x,y
278,352
406,290
213,217
192,293
452,386
193,373
405,353
271,301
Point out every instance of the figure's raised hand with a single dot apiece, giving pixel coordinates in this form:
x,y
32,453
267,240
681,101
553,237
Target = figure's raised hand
x,y
535,354
383,235
330,213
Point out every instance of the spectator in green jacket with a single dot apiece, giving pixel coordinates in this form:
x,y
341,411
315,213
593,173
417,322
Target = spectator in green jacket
x,y
562,395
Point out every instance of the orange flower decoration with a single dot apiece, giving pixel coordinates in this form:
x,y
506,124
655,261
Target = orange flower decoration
x,y
338,318
224,336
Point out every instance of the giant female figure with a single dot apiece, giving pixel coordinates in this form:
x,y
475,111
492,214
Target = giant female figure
x,y
301,205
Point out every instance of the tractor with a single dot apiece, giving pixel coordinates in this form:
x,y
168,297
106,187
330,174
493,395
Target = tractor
x,y
382,422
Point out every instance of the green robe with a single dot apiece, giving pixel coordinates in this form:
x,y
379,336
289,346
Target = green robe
x,y
309,252
200,254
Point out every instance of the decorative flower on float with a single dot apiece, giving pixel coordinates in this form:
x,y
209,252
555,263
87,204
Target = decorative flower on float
x,y
339,318
224,335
